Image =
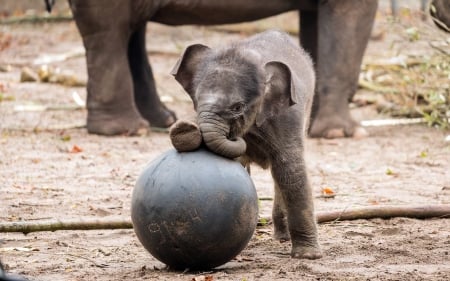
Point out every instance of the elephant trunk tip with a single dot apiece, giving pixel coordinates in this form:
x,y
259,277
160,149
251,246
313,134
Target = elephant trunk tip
x,y
229,148
215,132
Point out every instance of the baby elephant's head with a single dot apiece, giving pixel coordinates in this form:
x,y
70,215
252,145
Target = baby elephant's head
x,y
232,91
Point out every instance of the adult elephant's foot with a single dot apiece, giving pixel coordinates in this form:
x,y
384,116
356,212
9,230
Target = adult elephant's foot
x,y
332,127
306,252
122,123
160,117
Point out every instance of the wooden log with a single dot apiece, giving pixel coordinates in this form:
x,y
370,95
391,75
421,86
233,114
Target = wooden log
x,y
53,225
383,212
386,212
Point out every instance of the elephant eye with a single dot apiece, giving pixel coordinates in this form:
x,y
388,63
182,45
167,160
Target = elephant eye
x,y
238,107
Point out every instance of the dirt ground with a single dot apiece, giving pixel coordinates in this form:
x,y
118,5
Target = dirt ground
x,y
50,168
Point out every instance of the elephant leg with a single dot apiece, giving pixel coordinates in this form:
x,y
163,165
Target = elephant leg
x,y
145,94
440,14
279,217
110,100
292,180
340,31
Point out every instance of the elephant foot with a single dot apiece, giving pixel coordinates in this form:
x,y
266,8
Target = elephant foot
x,y
282,236
335,133
280,228
306,252
334,127
185,135
161,117
111,124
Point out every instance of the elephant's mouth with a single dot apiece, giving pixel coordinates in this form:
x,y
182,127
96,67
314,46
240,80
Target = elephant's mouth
x,y
236,129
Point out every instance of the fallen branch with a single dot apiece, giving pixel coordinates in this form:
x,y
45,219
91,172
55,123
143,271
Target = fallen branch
x,y
50,128
384,212
392,122
53,107
375,88
28,226
36,19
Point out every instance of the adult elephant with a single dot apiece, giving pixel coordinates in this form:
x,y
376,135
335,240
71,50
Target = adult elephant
x,y
440,13
122,98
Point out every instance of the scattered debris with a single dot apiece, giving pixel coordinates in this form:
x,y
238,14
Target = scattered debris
x,y
28,75
48,74
5,68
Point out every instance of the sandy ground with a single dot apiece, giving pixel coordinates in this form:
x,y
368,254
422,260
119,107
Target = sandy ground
x,y
42,177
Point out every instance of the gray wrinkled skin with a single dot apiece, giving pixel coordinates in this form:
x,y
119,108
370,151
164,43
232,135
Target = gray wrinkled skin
x,y
440,13
253,100
124,98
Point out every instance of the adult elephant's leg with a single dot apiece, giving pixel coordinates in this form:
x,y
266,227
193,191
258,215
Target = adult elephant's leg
x,y
110,100
440,13
145,94
343,29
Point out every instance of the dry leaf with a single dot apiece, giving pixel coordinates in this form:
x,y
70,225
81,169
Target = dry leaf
x,y
76,149
327,191
391,172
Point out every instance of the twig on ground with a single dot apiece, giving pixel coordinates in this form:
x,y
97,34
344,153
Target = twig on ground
x,y
53,107
384,212
102,265
36,19
376,88
392,122
59,57
442,50
36,129
28,227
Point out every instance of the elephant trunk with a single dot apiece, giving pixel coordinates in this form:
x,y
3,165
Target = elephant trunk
x,y
215,133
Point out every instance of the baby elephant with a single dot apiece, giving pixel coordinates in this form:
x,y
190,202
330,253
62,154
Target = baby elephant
x,y
253,101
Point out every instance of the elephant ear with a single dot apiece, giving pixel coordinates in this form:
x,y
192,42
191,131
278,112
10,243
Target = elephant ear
x,y
279,91
187,65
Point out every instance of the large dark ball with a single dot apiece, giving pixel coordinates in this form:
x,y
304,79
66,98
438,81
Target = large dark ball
x,y
194,210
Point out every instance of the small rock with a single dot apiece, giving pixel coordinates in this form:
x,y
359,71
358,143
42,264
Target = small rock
x,y
44,72
5,68
66,78
28,75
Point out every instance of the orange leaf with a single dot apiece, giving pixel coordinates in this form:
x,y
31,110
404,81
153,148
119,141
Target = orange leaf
x,y
76,149
327,191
